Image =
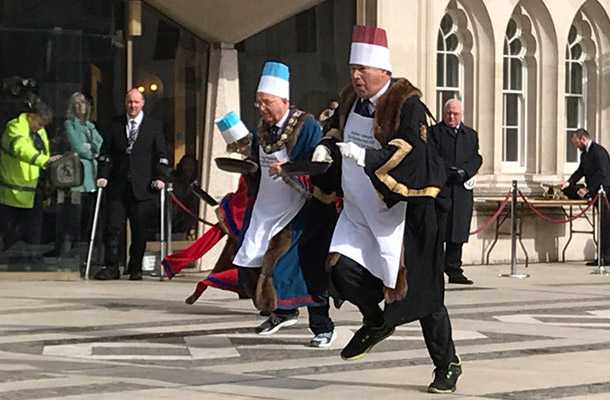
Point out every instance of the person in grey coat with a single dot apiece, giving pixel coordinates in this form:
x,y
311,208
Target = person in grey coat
x,y
458,145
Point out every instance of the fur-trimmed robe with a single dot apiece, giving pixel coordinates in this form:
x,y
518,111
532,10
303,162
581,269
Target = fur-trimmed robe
x,y
406,168
293,274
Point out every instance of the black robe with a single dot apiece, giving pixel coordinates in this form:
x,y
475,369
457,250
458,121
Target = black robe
x,y
460,150
407,168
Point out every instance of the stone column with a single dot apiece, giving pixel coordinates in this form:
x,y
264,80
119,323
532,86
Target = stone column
x,y
222,97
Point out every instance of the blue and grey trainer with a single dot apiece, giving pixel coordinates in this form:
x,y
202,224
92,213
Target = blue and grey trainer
x,y
323,340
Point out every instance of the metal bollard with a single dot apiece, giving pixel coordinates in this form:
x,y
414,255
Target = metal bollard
x,y
98,201
513,237
170,191
163,233
600,269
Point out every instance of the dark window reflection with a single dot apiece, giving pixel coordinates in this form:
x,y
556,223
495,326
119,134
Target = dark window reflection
x,y
170,68
317,53
60,47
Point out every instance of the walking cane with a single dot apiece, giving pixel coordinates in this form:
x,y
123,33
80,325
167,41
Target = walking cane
x,y
98,202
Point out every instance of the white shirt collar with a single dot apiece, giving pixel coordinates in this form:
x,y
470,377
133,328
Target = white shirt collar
x,y
138,119
282,120
588,145
373,99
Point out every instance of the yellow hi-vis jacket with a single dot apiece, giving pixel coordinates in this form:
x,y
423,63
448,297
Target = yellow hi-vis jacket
x,y
20,163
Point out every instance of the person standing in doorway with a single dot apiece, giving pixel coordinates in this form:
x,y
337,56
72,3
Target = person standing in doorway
x,y
133,166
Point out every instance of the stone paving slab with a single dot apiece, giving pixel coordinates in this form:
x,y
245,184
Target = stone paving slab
x,y
545,337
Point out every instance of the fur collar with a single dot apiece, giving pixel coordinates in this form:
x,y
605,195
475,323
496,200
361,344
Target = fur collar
x,y
387,111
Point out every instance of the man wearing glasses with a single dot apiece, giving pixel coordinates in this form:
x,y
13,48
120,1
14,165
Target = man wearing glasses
x,y
286,225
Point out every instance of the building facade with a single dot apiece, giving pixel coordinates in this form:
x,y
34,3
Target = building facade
x,y
528,71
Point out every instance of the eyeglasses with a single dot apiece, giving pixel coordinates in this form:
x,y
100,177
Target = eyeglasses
x,y
260,105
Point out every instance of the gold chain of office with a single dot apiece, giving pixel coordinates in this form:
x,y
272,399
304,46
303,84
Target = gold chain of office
x,y
286,134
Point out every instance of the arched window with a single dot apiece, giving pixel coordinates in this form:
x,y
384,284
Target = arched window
x,y
448,68
575,99
579,53
514,96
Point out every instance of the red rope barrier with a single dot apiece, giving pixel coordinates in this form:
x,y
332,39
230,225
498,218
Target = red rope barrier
x,y
187,210
491,219
545,217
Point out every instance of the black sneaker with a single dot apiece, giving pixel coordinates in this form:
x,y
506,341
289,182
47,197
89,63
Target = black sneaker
x,y
460,279
108,273
445,380
363,341
275,322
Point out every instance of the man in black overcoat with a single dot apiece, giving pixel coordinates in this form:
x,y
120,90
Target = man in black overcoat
x,y
458,145
382,249
133,166
595,168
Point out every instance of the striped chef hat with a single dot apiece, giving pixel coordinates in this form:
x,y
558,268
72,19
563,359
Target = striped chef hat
x,y
370,47
231,127
275,80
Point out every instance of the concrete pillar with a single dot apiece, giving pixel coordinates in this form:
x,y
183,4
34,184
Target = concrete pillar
x,y
222,97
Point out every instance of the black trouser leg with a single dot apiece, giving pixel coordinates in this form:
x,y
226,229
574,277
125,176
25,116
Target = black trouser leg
x,y
358,286
9,227
139,214
116,219
319,319
436,328
605,235
453,259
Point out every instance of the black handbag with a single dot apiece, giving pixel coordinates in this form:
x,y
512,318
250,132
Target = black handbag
x,y
65,172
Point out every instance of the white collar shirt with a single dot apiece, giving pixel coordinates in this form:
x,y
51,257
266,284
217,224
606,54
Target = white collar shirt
x,y
138,119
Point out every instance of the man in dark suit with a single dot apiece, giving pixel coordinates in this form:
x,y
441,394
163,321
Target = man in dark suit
x,y
133,166
595,168
458,145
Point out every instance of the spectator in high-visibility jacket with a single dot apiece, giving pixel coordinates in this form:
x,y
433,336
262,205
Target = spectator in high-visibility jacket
x,y
24,153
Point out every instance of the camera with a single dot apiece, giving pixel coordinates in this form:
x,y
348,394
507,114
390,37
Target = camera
x,y
17,95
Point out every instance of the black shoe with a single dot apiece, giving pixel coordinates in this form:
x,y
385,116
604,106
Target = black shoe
x,y
135,276
53,253
108,274
363,341
275,322
126,271
445,380
460,279
594,263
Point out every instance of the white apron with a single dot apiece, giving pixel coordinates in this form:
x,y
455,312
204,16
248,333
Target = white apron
x,y
275,206
367,231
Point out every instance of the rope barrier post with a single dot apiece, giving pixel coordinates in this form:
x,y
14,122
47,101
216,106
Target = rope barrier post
x,y
163,233
513,236
170,191
600,269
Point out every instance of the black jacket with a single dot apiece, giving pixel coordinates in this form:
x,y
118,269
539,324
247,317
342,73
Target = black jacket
x,y
595,167
459,150
148,159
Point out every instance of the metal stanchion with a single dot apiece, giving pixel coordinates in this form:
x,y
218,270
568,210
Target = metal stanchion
x,y
163,239
98,202
513,237
170,191
600,269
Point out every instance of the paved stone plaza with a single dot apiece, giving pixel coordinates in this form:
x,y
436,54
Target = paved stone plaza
x,y
546,337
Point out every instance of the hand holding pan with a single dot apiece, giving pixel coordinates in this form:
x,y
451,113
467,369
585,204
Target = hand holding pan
x,y
304,168
203,195
235,165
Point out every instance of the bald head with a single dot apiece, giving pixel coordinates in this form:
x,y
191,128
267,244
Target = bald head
x,y
134,102
453,113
